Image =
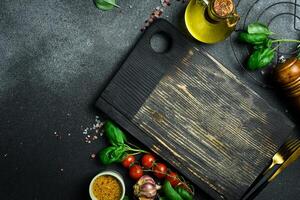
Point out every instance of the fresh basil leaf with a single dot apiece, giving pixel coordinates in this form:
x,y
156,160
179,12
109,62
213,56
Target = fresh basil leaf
x,y
258,28
255,39
260,46
112,154
112,2
119,153
266,44
114,135
260,58
105,4
106,155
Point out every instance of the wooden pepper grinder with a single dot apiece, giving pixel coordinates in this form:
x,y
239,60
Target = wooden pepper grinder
x,y
287,75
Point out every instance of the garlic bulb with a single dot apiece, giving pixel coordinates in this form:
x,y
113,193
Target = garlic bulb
x,y
146,188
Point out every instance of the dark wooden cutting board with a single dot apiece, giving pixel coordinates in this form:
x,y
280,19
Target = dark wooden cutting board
x,y
193,112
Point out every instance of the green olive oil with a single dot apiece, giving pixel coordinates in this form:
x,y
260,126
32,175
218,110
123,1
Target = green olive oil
x,y
204,25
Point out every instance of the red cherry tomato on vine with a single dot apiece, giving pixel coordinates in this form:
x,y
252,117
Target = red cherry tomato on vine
x,y
148,161
136,172
172,177
128,161
160,170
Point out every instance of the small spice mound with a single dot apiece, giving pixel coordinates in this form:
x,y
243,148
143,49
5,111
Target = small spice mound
x,y
107,188
223,7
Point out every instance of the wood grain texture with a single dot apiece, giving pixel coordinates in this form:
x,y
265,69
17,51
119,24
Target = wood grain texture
x,y
212,123
196,114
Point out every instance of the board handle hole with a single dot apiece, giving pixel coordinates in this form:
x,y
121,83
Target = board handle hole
x,y
160,42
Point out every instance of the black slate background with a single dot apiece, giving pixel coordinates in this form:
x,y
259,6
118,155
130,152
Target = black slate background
x,y
55,57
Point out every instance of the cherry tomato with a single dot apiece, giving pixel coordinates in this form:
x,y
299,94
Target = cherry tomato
x,y
160,170
172,177
136,172
148,161
128,161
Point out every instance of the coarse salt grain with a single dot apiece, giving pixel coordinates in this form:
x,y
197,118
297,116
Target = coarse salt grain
x,y
93,156
101,133
91,133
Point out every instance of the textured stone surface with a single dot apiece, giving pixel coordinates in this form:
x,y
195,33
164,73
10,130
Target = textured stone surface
x,y
55,57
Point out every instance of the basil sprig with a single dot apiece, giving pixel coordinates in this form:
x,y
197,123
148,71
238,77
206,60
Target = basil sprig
x,y
112,154
114,135
106,4
118,149
258,35
258,28
260,58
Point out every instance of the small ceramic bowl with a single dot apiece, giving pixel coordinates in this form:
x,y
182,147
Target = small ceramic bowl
x,y
109,173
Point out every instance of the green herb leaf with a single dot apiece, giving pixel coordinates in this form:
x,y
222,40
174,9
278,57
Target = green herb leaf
x,y
260,46
112,2
258,28
255,39
169,191
183,193
114,135
112,154
266,44
105,4
260,58
119,153
125,198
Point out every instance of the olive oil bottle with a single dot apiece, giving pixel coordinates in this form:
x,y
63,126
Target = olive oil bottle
x,y
211,21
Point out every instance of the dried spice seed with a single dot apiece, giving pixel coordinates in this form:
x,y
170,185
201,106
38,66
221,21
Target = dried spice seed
x,y
165,3
158,12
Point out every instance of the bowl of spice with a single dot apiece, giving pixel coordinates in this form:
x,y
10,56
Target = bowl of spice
x,y
108,185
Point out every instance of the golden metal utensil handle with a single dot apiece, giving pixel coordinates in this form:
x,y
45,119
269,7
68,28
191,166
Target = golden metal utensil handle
x,y
287,163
